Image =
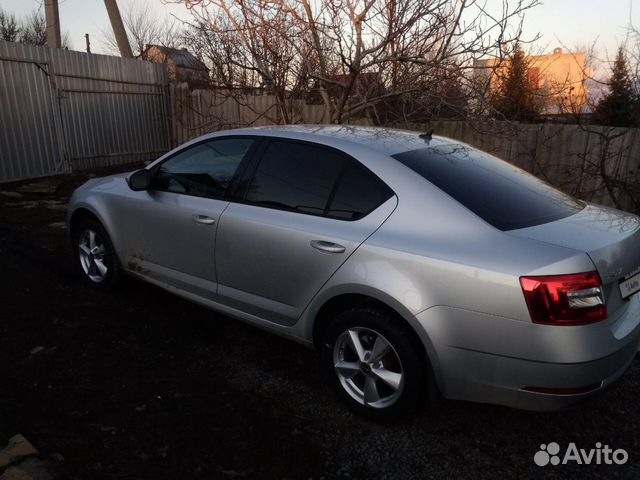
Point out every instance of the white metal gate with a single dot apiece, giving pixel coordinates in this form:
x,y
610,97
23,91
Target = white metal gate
x,y
62,111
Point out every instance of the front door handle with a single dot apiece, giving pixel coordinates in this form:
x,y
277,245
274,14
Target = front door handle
x,y
328,247
203,220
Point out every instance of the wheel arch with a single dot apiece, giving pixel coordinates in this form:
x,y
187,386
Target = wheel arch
x,y
332,303
81,214
339,303
87,212
331,306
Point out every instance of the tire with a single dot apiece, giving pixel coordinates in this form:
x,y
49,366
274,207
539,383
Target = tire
x,y
387,379
95,256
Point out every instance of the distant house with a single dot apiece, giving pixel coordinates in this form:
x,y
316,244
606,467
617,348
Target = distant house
x,y
182,65
560,79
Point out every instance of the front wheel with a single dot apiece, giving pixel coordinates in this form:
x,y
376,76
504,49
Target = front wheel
x,y
96,256
374,364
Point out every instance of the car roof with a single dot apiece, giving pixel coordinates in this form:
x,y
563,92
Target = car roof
x,y
387,140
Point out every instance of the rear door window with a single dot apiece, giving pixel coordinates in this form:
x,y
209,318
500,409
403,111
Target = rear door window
x,y
358,193
316,180
503,195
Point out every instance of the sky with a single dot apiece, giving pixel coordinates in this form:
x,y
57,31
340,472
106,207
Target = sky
x,y
568,23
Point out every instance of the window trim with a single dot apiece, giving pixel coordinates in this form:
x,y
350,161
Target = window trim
x,y
232,190
258,156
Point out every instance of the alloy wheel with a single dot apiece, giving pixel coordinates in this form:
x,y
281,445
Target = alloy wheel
x,y
368,367
92,252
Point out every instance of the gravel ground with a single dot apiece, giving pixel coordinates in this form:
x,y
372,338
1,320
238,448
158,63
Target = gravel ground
x,y
139,384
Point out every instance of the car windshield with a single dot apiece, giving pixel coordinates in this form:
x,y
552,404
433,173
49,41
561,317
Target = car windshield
x,y
503,195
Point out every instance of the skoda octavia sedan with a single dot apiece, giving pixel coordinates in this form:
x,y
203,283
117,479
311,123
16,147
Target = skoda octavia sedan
x,y
419,267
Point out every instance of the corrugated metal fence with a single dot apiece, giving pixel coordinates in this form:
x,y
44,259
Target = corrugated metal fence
x,y
62,111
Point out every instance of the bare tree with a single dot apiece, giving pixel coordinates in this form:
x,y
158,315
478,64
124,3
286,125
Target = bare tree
x,y
252,46
31,29
144,27
633,56
34,29
9,27
354,54
612,169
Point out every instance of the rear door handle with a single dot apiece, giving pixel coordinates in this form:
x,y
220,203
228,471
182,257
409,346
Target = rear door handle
x,y
203,220
328,247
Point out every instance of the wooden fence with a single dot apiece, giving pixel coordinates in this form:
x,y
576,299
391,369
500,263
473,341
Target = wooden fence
x,y
594,163
194,113
599,164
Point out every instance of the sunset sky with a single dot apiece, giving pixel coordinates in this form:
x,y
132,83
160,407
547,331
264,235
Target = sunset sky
x,y
568,23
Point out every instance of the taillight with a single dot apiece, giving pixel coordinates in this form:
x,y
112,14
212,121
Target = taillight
x,y
575,299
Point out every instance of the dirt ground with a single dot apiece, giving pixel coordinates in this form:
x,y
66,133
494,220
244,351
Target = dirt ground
x,y
139,384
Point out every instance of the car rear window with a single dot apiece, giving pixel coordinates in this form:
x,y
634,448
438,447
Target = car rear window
x,y
503,195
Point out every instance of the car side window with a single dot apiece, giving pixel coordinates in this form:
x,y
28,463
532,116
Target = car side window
x,y
359,192
296,177
204,170
315,180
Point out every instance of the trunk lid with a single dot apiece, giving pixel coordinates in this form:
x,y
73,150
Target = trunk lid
x,y
610,237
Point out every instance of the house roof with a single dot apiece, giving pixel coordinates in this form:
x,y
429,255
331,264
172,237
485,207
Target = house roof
x,y
179,57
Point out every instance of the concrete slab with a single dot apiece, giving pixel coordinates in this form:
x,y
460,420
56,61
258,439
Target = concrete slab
x,y
18,448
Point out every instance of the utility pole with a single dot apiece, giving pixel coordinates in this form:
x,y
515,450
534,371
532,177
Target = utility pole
x,y
53,23
87,42
118,28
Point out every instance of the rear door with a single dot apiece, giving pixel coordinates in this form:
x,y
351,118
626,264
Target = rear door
x,y
304,209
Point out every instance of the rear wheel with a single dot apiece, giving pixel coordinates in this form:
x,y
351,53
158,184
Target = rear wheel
x,y
96,256
374,364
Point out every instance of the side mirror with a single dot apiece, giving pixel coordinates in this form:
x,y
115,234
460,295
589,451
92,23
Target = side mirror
x,y
140,180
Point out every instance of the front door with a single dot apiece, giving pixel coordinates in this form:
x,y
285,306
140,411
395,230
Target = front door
x,y
171,228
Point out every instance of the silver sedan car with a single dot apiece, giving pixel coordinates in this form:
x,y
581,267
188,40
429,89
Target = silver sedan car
x,y
419,266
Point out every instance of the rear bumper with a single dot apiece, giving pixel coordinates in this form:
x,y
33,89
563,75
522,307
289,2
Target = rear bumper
x,y
491,359
517,374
